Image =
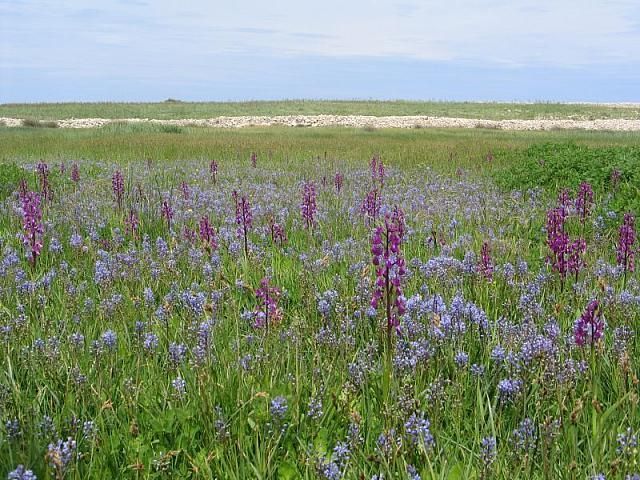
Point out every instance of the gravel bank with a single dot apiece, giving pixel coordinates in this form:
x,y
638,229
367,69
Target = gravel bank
x,y
361,121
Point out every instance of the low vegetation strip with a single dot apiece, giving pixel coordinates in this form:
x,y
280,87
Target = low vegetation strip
x,y
175,109
352,121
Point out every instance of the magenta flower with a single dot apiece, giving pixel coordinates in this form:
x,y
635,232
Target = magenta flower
x,y
117,185
625,253
616,176
186,192
564,201
558,242
213,170
189,234
167,212
589,328
267,311
45,185
485,266
244,219
207,233
377,170
371,204
278,235
338,181
555,224
23,189
132,223
308,207
575,254
390,269
75,173
566,256
584,201
32,225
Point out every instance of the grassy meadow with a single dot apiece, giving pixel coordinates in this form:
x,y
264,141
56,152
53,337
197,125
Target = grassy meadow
x,y
317,303
177,110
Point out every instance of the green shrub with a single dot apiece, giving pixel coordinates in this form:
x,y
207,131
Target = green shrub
x,y
10,176
171,129
29,122
554,166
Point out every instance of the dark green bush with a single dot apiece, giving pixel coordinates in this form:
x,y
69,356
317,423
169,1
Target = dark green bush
x,y
29,122
10,176
555,166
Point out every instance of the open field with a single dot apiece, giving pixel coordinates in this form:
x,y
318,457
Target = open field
x,y
441,148
185,302
202,110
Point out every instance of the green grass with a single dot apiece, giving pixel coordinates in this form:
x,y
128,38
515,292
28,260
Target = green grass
x,y
445,149
178,110
10,176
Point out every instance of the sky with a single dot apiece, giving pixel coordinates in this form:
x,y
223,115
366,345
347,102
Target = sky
x,y
151,50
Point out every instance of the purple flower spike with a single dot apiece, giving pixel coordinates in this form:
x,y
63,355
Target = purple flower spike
x,y
377,170
132,223
244,219
371,204
308,207
207,234
75,173
267,311
32,224
117,185
485,267
167,212
213,170
584,202
625,253
390,269
589,328
45,185
338,181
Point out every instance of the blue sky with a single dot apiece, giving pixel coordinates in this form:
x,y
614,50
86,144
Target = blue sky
x,y
565,50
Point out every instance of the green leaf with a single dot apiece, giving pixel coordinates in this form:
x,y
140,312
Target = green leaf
x,y
287,471
321,442
456,472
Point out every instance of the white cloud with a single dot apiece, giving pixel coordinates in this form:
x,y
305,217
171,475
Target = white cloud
x,y
94,36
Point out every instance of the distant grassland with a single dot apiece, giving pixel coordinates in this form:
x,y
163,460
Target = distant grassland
x,y
443,149
178,110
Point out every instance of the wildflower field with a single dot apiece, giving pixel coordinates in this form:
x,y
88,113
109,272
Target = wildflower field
x,y
323,305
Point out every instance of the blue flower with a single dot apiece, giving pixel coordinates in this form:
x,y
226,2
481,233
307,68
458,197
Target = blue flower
x,y
109,339
488,452
509,389
417,429
525,437
20,473
279,407
62,453
179,387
